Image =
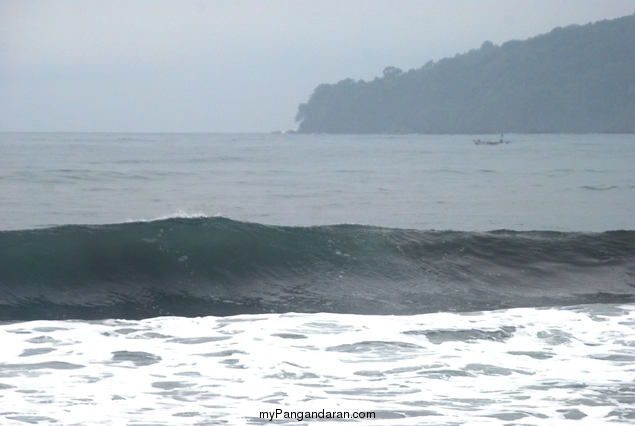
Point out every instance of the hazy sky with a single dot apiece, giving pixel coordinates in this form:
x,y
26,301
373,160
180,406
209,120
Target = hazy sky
x,y
233,66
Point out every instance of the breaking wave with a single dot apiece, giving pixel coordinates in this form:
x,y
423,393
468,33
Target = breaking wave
x,y
202,266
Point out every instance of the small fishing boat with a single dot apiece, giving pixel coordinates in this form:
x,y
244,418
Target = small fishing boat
x,y
499,142
480,142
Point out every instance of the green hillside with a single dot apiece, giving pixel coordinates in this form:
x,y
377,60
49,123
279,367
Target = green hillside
x,y
577,79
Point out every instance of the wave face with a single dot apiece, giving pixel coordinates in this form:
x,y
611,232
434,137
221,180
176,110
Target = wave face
x,y
216,266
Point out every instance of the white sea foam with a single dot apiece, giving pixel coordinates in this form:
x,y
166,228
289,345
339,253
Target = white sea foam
x,y
533,366
177,215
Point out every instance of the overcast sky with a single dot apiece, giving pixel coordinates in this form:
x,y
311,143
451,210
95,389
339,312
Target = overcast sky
x,y
233,66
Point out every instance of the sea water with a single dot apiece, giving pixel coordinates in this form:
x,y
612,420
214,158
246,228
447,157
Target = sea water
x,y
536,182
198,279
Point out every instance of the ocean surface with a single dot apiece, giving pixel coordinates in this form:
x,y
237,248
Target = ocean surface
x,y
204,279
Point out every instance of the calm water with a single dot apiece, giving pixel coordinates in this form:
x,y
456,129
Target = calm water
x,y
162,313
537,182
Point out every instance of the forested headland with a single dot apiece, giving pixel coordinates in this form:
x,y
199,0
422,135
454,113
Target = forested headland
x,y
576,79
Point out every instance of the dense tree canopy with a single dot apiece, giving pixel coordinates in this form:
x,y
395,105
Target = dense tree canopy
x,y
577,79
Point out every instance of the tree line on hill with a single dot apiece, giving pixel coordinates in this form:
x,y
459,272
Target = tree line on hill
x,y
577,79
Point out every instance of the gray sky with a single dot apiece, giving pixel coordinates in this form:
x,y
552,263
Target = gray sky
x,y
233,66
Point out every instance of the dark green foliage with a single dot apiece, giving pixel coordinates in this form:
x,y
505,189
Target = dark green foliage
x,y
578,79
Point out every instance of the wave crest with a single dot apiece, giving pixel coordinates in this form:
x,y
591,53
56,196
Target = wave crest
x,y
194,266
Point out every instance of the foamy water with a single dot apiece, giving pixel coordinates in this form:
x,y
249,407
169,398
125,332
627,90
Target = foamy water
x,y
520,366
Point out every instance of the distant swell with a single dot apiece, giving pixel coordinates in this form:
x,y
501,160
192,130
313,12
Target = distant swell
x,y
216,266
598,188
